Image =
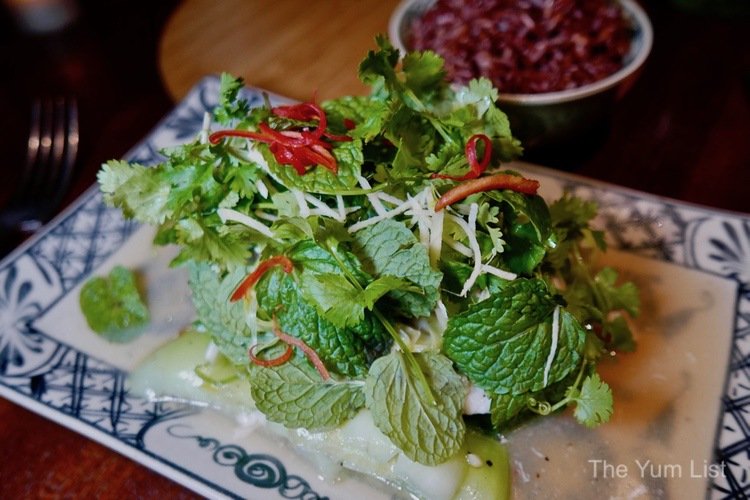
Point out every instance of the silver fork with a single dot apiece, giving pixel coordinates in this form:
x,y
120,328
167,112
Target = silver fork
x,y
51,153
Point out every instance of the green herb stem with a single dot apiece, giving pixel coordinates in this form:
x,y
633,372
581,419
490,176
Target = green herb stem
x,y
411,360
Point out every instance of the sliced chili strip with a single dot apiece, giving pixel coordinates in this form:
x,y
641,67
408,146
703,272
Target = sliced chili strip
x,y
336,138
215,137
301,148
477,167
309,351
268,363
305,112
253,277
488,183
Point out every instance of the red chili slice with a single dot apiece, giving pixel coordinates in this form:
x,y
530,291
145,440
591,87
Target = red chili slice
x,y
299,148
253,277
488,183
268,363
215,137
304,112
309,351
476,166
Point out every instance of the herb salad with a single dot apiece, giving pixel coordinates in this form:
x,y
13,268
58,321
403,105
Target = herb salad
x,y
372,252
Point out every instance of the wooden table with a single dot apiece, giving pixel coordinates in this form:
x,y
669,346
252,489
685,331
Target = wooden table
x,y
683,131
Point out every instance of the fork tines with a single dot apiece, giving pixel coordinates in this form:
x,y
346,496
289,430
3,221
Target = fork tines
x,y
50,156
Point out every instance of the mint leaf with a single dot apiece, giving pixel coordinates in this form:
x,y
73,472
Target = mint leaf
x,y
346,350
294,395
427,433
389,248
593,401
319,179
224,320
502,343
505,408
113,306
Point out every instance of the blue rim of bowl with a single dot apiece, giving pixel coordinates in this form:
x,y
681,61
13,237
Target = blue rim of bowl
x,y
643,40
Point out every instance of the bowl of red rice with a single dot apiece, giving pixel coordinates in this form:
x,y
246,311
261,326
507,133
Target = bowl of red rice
x,y
559,65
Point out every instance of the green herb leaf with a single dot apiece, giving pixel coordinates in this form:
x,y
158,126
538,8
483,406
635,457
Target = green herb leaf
x,y
502,343
593,402
388,248
319,179
505,408
294,395
346,350
224,320
230,106
113,306
340,302
427,433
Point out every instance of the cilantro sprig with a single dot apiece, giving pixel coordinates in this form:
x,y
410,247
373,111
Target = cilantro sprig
x,y
499,281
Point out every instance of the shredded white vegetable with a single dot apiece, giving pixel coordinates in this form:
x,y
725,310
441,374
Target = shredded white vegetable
x,y
470,229
422,219
262,188
436,236
212,351
304,210
374,200
322,208
266,216
341,208
458,246
553,347
205,127
389,198
377,218
495,271
227,214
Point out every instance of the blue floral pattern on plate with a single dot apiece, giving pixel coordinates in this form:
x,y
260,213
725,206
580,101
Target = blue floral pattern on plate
x,y
40,371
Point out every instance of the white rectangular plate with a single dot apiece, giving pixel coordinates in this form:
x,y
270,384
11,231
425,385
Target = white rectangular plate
x,y
681,427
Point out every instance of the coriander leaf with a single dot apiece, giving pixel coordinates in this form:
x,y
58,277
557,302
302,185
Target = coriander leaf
x,y
340,302
389,248
502,343
424,73
113,306
368,115
593,401
224,320
181,196
294,395
523,209
527,228
480,93
132,188
427,433
572,212
611,297
378,66
620,337
230,106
